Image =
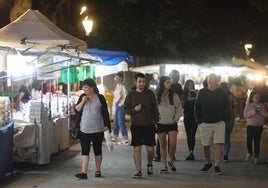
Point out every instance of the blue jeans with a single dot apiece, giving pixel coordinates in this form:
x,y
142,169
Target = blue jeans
x,y
228,131
119,122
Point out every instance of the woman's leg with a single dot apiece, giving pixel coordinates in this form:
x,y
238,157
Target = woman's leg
x,y
97,147
257,140
172,137
85,160
163,147
250,132
187,127
193,130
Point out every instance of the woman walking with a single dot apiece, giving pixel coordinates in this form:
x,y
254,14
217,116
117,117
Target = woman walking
x,y
94,119
170,109
255,114
190,123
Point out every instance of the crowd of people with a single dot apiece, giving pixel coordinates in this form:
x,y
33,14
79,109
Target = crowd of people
x,y
213,109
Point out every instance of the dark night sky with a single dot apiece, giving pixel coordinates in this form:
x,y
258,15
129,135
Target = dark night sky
x,y
5,6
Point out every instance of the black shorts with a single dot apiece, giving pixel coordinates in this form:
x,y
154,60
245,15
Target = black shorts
x,y
142,135
161,128
95,138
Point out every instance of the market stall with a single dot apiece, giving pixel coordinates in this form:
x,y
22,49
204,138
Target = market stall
x,y
42,126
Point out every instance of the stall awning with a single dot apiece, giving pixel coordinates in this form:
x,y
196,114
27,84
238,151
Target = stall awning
x,y
112,61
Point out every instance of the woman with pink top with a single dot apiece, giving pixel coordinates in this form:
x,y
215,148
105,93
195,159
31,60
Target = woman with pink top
x,y
255,114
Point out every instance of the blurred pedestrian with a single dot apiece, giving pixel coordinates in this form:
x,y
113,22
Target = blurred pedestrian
x,y
255,113
190,124
229,124
120,94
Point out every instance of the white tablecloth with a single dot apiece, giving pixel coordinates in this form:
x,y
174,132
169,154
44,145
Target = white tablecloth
x,y
36,142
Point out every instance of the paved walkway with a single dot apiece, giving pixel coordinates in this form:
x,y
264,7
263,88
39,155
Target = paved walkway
x,y
118,167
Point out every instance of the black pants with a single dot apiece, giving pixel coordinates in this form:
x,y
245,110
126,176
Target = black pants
x,y
190,129
254,133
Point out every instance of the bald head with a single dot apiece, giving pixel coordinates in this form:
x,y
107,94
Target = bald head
x,y
213,82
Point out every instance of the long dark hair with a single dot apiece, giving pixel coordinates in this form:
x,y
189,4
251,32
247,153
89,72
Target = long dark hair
x,y
91,83
161,88
185,89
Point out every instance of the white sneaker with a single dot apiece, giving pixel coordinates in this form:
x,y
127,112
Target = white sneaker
x,y
256,160
114,140
248,157
125,142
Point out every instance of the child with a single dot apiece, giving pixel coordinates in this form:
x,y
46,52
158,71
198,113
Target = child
x,y
255,114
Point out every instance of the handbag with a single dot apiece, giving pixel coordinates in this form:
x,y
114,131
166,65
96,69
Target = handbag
x,y
76,131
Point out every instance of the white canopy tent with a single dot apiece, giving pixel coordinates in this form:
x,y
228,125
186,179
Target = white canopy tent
x,y
33,31
32,34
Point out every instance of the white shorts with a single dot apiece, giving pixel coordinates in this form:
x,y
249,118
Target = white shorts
x,y
212,133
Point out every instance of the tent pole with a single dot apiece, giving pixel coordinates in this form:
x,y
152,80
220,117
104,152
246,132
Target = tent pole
x,y
68,93
12,98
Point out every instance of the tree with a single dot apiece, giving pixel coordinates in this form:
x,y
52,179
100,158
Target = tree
x,y
200,30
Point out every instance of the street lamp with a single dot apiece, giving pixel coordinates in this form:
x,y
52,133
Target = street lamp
x,y
248,48
88,25
83,9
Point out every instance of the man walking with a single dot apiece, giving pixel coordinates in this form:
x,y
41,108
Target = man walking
x,y
212,110
141,105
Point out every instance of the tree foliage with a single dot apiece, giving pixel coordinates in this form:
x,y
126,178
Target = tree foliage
x,y
200,30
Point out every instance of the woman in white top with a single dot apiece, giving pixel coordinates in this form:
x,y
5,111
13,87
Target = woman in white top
x,y
170,109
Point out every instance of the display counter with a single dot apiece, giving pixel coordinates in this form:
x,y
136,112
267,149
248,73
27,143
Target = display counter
x,y
36,143
6,144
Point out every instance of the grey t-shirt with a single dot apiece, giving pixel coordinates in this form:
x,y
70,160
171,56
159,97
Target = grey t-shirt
x,y
92,120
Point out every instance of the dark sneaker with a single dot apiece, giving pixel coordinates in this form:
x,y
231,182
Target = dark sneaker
x,y
206,167
157,159
190,157
97,174
217,170
164,170
138,174
225,158
150,169
81,176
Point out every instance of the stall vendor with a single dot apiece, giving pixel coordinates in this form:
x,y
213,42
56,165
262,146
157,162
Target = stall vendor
x,y
24,93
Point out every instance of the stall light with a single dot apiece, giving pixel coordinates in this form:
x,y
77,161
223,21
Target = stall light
x,y
17,66
88,25
248,48
250,77
258,77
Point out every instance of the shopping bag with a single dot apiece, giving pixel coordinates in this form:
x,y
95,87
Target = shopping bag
x,y
107,137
